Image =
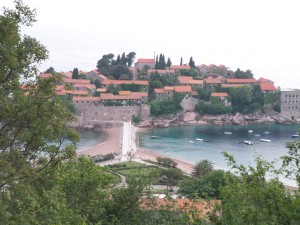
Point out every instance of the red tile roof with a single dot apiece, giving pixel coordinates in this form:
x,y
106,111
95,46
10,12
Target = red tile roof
x,y
196,82
86,98
212,81
146,61
179,67
232,85
185,79
212,65
118,82
76,92
267,87
195,93
159,90
132,96
124,92
68,74
103,77
76,81
88,86
183,89
219,94
239,81
169,88
95,71
101,89
45,75
264,80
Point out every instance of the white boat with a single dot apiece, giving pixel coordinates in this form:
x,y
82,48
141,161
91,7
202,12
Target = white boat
x,y
250,131
248,142
155,137
295,135
191,142
227,132
267,132
265,140
257,135
199,139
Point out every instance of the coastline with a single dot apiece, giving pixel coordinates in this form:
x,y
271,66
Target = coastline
x,y
112,143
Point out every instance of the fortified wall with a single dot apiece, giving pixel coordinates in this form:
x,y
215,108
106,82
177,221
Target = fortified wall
x,y
90,116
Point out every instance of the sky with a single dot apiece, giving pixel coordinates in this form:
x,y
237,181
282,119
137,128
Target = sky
x,y
261,35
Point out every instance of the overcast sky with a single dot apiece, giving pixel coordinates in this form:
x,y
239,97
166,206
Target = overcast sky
x,y
254,34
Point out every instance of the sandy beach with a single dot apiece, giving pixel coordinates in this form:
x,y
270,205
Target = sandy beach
x,y
112,144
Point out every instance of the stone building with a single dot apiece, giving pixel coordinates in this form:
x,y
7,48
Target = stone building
x,y
290,103
141,63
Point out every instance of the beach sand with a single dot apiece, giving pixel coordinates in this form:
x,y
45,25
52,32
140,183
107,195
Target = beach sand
x,y
146,154
112,144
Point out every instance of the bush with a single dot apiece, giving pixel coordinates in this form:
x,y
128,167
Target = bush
x,y
212,109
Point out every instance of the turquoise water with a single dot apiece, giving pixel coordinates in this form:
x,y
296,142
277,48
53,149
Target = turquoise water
x,y
89,139
174,142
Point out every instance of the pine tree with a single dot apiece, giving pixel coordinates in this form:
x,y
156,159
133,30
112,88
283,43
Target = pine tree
x,y
192,63
75,74
169,63
181,61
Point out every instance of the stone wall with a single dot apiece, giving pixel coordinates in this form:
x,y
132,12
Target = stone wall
x,y
92,115
189,103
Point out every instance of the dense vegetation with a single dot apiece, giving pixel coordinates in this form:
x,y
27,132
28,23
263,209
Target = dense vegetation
x,y
43,182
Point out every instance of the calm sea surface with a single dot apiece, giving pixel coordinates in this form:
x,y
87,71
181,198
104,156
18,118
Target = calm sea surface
x,y
174,142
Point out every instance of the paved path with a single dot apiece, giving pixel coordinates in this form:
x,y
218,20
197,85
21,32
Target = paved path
x,y
126,142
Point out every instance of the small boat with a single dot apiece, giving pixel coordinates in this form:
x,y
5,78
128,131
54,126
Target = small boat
x,y
250,131
265,140
248,142
227,132
267,132
191,142
199,139
257,135
295,135
155,137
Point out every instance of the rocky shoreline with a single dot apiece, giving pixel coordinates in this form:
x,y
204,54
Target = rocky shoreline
x,y
192,118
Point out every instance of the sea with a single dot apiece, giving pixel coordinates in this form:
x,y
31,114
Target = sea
x,y
181,143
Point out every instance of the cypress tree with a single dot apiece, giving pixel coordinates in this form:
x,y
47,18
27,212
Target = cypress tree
x,y
169,63
181,61
192,63
75,74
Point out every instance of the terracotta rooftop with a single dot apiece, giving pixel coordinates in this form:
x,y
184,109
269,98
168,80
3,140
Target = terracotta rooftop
x,y
212,65
185,79
183,89
86,98
45,75
103,77
264,80
118,82
169,88
101,89
180,67
196,82
132,96
95,71
88,86
68,74
146,61
232,85
76,92
239,81
267,87
219,94
212,81
124,92
76,81
159,90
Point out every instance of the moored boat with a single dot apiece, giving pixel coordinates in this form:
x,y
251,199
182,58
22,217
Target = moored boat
x,y
227,132
265,140
199,139
191,142
250,131
295,135
155,137
248,142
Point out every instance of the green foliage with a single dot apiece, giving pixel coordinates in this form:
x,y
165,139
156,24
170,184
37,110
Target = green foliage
x,y
50,70
207,186
277,108
164,108
252,199
241,98
192,63
75,74
243,74
204,94
271,98
202,168
118,69
135,119
160,62
212,109
191,72
69,104
131,87
166,162
101,158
